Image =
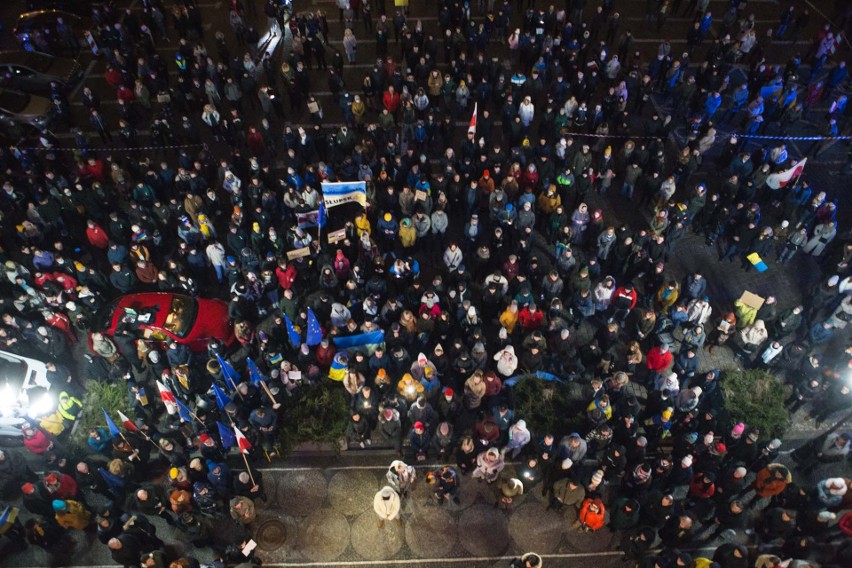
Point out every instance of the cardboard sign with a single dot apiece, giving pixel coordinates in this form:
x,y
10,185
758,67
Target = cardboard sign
x,y
336,236
752,300
420,195
298,253
313,107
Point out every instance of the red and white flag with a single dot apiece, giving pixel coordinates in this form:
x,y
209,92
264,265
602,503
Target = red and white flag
x,y
242,441
471,128
129,425
168,397
781,179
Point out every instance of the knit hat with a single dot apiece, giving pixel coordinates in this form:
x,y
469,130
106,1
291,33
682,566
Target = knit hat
x,y
203,438
567,463
51,479
836,486
28,488
667,414
59,505
419,426
738,429
449,392
173,473
775,444
686,461
720,448
826,517
597,477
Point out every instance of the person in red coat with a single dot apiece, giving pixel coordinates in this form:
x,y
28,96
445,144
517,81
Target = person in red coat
x,y
531,318
96,235
60,485
36,441
391,100
659,359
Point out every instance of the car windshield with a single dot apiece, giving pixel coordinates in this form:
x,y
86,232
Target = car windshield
x,y
11,101
39,62
181,316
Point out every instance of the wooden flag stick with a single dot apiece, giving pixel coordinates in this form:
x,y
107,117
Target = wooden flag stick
x,y
268,393
248,468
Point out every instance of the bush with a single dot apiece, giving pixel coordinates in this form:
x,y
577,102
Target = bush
x,y
756,398
319,414
549,406
110,397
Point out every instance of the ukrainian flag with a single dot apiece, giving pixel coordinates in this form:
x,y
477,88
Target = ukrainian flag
x,y
339,367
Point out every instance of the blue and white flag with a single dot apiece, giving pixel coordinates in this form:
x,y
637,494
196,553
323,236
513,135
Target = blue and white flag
x,y
292,334
314,330
338,193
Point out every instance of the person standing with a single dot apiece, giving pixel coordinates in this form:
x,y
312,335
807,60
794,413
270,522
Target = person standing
x,y
401,477
387,505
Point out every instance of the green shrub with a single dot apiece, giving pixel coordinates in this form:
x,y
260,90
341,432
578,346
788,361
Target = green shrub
x,y
319,414
111,397
549,406
756,398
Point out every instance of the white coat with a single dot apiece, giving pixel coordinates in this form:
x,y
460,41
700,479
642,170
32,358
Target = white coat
x,y
386,504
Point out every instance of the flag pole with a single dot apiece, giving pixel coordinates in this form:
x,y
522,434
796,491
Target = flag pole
x,y
269,394
248,468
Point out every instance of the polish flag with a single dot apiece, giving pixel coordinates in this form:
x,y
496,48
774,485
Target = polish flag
x,y
168,398
128,424
781,179
242,441
471,128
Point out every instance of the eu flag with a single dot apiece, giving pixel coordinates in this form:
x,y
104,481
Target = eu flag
x,y
254,372
292,334
183,411
222,399
230,375
226,435
322,215
314,330
113,429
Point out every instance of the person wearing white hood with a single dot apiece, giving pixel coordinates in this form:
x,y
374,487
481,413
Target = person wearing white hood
x,y
387,505
688,399
401,477
668,382
519,437
507,361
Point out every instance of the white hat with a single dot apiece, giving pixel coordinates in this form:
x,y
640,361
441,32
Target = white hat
x,y
597,477
567,463
686,461
834,280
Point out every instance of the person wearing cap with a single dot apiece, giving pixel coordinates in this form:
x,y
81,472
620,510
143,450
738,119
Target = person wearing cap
x,y
70,514
731,482
830,492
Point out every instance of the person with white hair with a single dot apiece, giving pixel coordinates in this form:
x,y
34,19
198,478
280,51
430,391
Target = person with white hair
x,y
386,504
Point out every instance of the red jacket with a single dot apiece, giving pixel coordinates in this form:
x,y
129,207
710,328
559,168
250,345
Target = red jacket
x,y
286,276
38,443
97,237
594,520
530,320
620,292
658,361
391,101
699,490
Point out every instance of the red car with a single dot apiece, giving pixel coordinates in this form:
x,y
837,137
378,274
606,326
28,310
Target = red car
x,y
163,316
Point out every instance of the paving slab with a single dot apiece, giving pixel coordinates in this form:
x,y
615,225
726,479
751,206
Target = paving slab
x,y
374,543
534,529
300,492
352,492
430,532
486,530
324,535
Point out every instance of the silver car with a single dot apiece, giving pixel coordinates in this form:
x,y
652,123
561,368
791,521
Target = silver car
x,y
33,71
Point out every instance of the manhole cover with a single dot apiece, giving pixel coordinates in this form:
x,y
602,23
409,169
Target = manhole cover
x,y
270,534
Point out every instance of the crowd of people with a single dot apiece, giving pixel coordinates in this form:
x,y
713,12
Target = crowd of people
x,y
478,256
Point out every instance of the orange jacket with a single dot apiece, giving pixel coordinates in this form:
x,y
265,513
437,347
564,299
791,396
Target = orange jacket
x,y
772,480
594,520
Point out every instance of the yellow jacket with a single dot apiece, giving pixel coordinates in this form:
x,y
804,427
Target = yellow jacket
x,y
407,234
75,516
745,314
362,224
509,319
408,388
